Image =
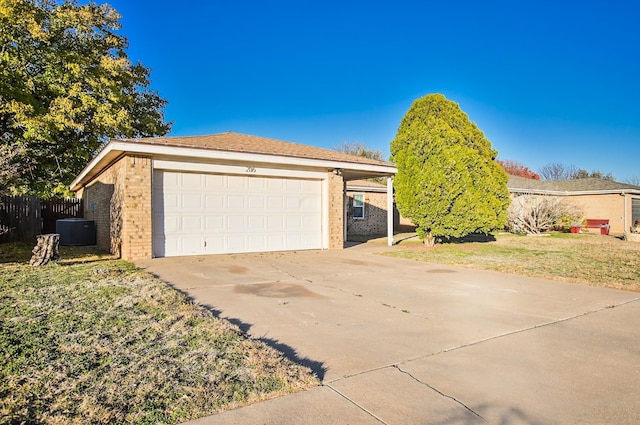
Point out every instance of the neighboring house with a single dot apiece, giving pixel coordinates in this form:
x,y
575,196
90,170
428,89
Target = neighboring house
x,y
598,198
222,193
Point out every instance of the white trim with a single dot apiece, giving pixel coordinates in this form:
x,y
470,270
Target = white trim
x,y
247,169
353,206
575,193
375,189
325,213
116,147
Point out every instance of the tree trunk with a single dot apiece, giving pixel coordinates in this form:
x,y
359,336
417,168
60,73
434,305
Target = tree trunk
x,y
46,249
429,240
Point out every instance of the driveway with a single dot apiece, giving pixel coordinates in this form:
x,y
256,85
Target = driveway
x,y
398,341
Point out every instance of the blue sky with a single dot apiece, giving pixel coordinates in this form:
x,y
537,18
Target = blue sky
x,y
546,81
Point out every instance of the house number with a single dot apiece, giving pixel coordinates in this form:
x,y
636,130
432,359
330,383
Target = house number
x,y
251,169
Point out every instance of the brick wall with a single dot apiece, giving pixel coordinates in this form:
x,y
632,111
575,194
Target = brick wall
x,y
336,211
119,201
375,215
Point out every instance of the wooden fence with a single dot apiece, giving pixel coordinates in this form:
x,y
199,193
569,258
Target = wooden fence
x,y
24,217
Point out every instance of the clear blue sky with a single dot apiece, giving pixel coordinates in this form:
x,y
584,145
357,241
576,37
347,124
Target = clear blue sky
x,y
547,81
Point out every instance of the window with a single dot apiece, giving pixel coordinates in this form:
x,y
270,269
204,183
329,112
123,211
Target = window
x,y
358,205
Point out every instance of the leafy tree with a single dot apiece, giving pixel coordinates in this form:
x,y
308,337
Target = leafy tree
x,y
448,182
515,168
10,168
66,87
359,149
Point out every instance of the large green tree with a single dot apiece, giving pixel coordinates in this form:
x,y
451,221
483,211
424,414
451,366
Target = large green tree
x,y
66,87
448,182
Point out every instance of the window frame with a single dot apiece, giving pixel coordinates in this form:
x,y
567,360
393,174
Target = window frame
x,y
355,207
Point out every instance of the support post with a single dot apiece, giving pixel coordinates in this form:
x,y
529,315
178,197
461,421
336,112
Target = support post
x,y
390,211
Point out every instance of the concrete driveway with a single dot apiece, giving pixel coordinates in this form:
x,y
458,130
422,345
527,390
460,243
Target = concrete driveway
x,y
402,342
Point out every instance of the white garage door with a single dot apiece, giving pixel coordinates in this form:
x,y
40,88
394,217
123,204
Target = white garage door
x,y
197,213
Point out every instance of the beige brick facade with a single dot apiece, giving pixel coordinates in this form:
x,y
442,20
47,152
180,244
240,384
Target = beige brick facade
x,y
336,211
375,214
119,201
606,206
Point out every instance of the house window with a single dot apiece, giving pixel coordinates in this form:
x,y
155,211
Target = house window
x,y
358,205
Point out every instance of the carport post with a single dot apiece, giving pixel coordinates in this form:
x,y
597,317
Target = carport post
x,y
390,211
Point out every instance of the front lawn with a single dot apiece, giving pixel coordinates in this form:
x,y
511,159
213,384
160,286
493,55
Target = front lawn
x,y
587,259
96,340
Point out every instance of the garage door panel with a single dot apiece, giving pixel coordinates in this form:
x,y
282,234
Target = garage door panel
x,y
235,224
191,181
191,244
214,181
235,182
257,223
256,243
214,224
191,201
275,203
215,244
213,201
256,202
293,223
235,202
207,213
171,224
235,243
192,224
275,223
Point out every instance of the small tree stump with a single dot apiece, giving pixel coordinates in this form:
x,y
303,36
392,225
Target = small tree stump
x,y
46,249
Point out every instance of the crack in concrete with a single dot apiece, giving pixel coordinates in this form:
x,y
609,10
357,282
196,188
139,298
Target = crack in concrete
x,y
491,338
452,398
364,409
289,274
517,331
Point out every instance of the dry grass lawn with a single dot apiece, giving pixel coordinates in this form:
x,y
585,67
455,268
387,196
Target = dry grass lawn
x,y
95,340
586,259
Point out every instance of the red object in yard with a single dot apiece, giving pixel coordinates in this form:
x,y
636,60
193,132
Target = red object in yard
x,y
575,229
604,230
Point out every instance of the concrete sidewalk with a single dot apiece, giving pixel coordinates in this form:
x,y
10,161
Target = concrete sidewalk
x,y
398,342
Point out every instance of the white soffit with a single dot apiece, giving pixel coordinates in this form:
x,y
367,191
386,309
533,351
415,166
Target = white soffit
x,y
116,148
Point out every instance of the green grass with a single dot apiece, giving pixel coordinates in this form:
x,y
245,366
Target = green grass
x,y
96,340
587,259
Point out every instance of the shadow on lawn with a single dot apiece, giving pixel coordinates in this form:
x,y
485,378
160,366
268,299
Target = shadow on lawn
x,y
476,237
291,353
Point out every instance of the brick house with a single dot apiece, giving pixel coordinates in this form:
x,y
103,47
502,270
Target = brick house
x,y
222,193
597,198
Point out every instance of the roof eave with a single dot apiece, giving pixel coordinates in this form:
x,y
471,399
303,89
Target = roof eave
x,y
116,148
576,192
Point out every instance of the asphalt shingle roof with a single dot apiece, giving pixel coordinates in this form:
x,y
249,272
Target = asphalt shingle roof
x,y
575,185
236,142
